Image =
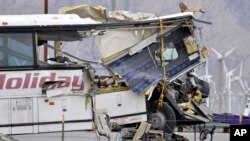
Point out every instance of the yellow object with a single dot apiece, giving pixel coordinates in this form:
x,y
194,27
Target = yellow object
x,y
97,13
184,106
190,111
51,103
149,90
112,89
106,59
190,44
205,52
197,97
87,101
63,118
160,102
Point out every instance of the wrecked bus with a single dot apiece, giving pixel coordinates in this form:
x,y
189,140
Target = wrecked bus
x,y
151,64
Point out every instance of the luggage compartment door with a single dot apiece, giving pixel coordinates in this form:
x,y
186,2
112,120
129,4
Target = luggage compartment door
x,y
123,107
76,110
22,115
4,116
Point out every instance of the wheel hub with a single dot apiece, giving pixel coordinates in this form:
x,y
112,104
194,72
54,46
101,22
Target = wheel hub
x,y
158,120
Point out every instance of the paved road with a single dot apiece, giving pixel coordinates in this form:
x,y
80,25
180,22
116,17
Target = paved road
x,y
91,136
217,136
69,136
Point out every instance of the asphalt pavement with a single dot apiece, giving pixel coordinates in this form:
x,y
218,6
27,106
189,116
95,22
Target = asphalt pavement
x,y
91,136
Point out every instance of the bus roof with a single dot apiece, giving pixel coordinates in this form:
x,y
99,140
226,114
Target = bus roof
x,y
43,20
66,22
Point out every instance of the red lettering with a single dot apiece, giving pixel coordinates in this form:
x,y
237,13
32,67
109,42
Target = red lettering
x,y
66,80
77,83
52,77
11,85
34,81
26,81
2,80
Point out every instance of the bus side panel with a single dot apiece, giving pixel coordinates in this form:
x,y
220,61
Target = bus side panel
x,y
22,115
35,114
29,83
77,112
123,107
4,116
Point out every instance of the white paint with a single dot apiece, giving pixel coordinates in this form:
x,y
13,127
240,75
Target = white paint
x,y
31,92
240,132
43,20
193,56
178,15
121,104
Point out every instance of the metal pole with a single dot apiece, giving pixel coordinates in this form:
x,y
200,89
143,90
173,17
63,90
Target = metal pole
x,y
127,5
45,51
229,102
57,51
45,6
113,5
62,127
240,118
194,132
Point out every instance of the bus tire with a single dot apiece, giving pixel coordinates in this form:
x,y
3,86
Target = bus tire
x,y
165,119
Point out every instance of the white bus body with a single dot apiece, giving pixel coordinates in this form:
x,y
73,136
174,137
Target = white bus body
x,y
36,97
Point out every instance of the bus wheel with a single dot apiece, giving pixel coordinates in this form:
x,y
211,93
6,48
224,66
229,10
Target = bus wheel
x,y
164,119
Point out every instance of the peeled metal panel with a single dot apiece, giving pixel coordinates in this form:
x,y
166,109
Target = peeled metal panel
x,y
143,70
139,70
120,41
96,13
184,60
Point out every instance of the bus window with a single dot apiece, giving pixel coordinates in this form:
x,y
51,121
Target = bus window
x,y
16,49
170,52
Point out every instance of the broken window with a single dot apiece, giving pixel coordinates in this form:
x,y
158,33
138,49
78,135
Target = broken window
x,y
170,52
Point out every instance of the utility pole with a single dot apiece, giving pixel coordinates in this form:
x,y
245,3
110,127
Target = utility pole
x,y
45,51
45,6
113,5
127,3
